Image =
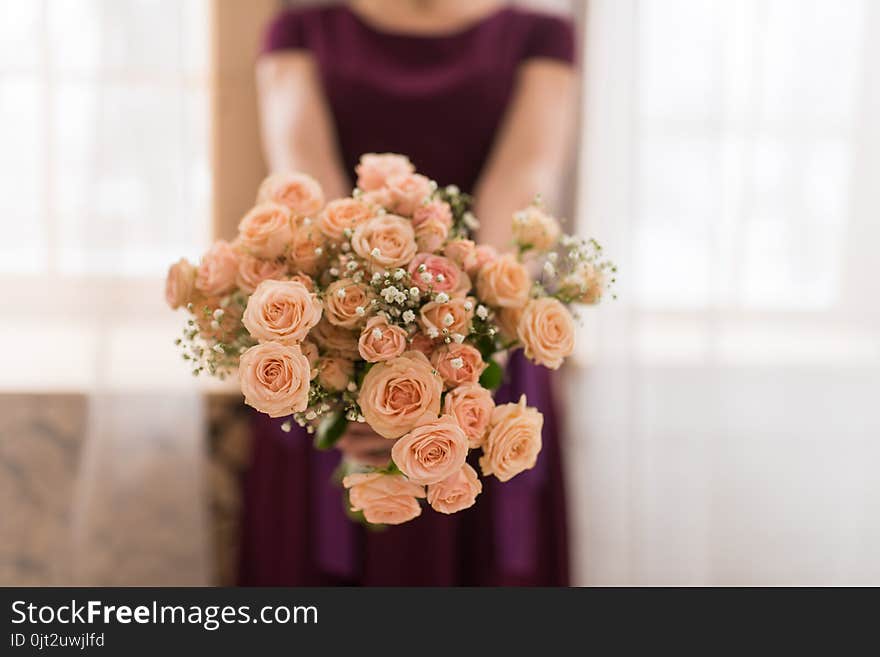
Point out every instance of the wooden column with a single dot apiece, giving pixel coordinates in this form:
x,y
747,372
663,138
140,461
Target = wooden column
x,y
236,159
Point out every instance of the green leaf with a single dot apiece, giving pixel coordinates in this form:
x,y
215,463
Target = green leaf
x,y
492,376
486,345
330,430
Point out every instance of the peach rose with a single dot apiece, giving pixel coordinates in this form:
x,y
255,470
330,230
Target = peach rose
x,y
218,269
504,282
306,253
335,373
180,283
463,253
305,279
375,169
586,285
310,351
485,254
546,330
275,378
385,499
377,198
423,343
347,303
430,235
223,330
471,405
381,341
300,193
335,340
435,210
432,451
408,191
281,311
507,320
438,274
266,230
534,228
458,364
341,215
253,271
457,492
399,394
386,241
514,440
454,316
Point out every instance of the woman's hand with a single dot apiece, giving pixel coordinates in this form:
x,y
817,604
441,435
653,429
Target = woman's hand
x,y
363,445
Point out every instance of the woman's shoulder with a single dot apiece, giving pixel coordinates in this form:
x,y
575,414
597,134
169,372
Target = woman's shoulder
x,y
295,28
543,35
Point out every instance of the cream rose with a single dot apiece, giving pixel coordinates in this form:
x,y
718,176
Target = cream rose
x,y
306,253
407,192
384,499
458,364
375,169
275,378
546,330
253,271
457,492
381,341
434,273
399,394
180,283
342,215
514,440
432,451
534,228
335,373
454,316
504,282
386,241
347,303
300,193
335,340
281,311
218,269
266,230
471,405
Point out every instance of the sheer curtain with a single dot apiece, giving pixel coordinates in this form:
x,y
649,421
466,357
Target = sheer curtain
x,y
724,425
104,121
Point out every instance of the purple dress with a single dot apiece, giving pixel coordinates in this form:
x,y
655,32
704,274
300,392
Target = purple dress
x,y
439,100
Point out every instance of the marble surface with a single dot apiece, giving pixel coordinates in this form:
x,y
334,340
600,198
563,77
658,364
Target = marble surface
x,y
122,489
40,449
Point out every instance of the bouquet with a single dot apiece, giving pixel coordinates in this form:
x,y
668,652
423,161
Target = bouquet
x,y
378,308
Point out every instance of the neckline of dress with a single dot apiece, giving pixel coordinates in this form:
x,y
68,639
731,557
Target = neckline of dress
x,y
439,36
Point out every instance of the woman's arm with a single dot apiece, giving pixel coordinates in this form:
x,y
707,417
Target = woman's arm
x,y
295,124
531,149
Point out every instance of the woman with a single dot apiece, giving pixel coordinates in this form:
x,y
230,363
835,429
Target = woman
x,y
477,94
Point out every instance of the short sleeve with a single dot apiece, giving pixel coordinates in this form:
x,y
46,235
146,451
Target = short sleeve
x,y
551,37
285,32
